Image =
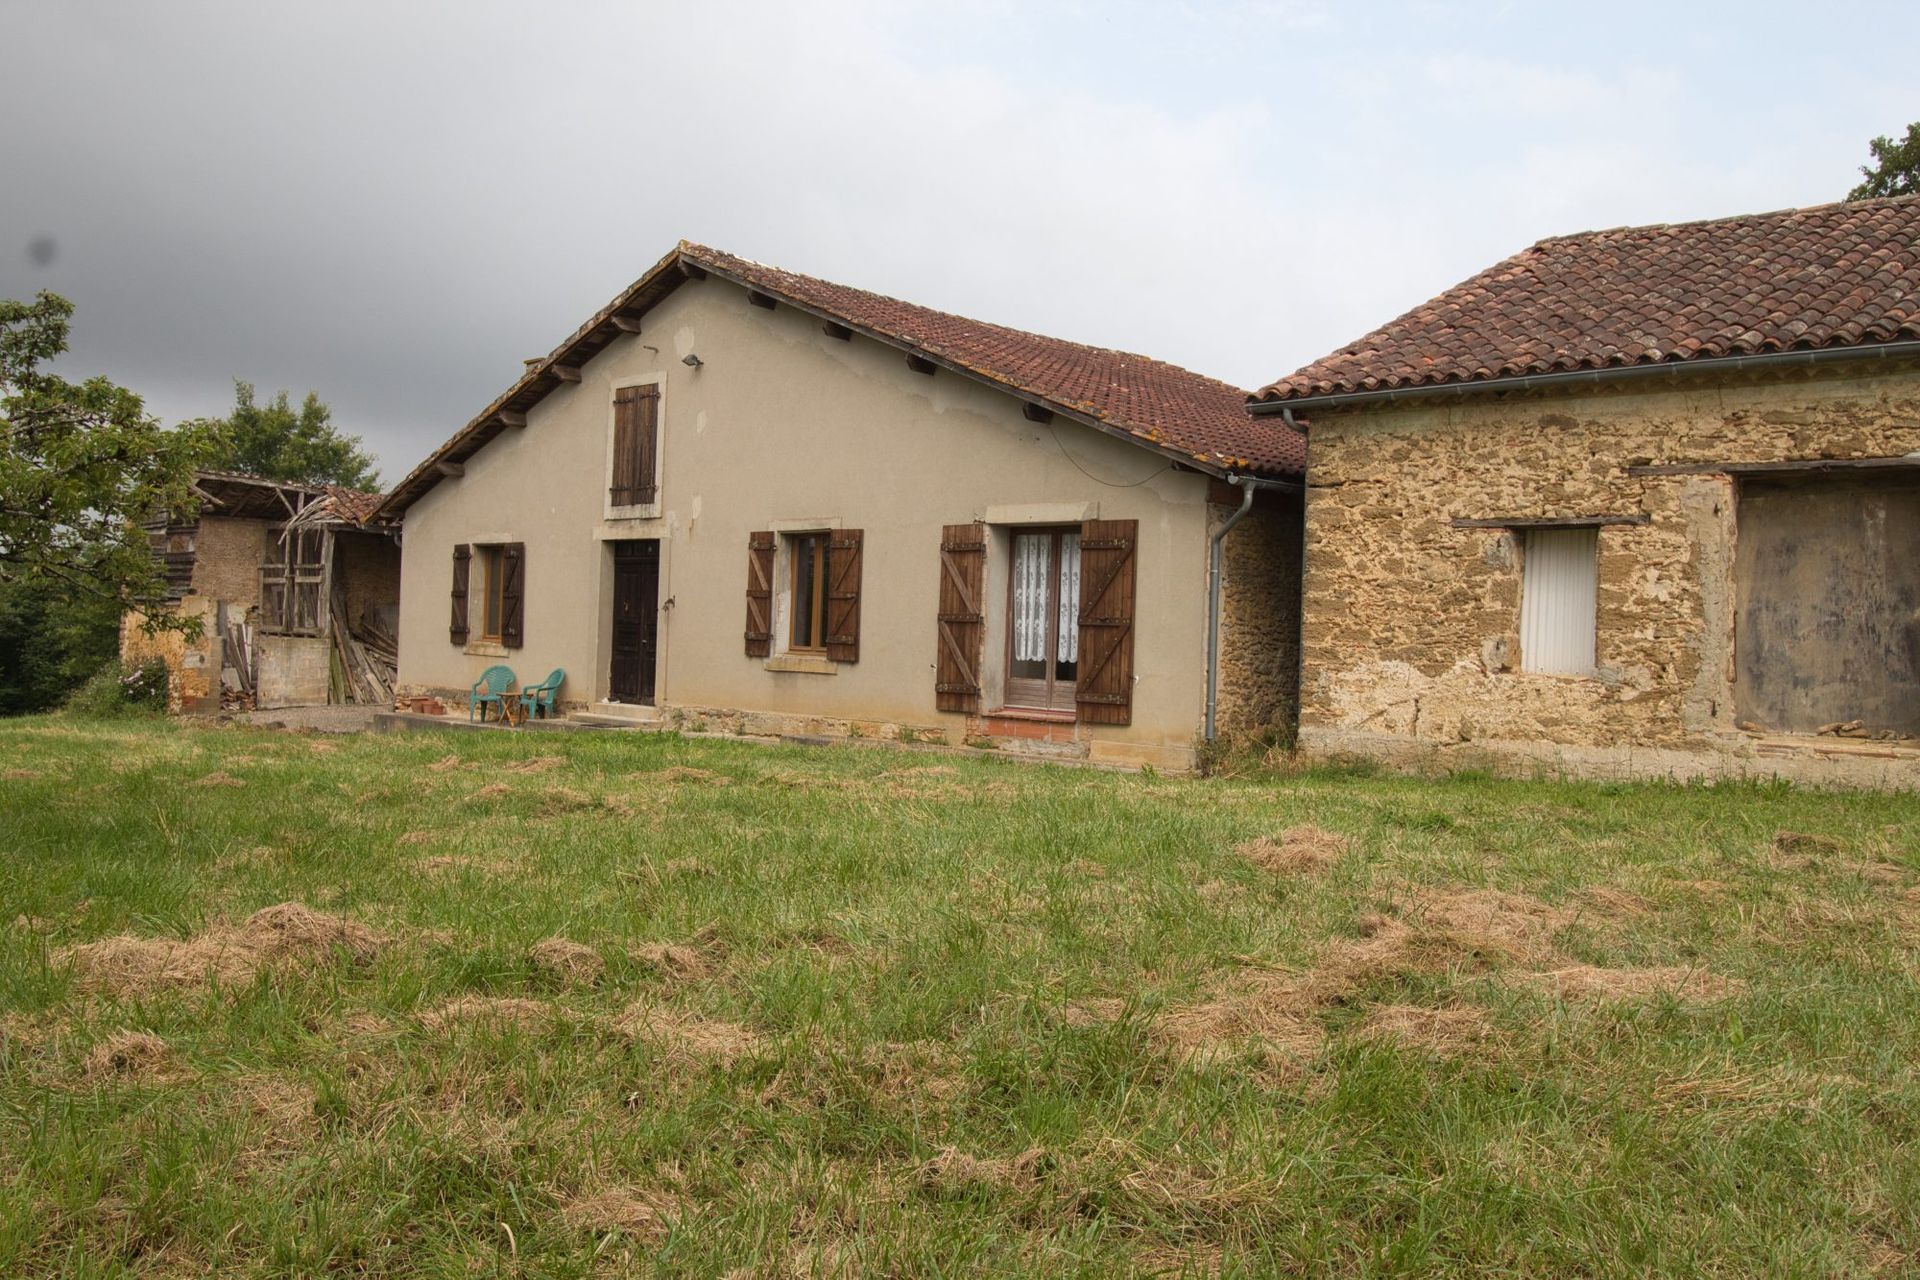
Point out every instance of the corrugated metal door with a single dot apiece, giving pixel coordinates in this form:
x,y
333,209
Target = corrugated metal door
x,y
1558,597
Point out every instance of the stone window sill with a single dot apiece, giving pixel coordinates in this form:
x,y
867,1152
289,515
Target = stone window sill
x,y
806,663
1033,713
485,649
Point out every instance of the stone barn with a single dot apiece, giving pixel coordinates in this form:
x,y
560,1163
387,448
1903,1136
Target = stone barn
x,y
1632,502
296,590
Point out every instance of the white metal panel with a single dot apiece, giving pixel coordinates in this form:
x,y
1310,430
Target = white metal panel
x,y
1558,597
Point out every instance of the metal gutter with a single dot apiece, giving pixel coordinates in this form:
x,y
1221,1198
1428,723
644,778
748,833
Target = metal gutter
x,y
1589,377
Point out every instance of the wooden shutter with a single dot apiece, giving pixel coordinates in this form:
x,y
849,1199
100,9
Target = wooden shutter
x,y
963,622
457,630
1104,692
513,592
843,595
636,440
759,594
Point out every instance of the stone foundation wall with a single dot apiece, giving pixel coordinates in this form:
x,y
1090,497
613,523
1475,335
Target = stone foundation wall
x,y
193,665
1411,624
1260,617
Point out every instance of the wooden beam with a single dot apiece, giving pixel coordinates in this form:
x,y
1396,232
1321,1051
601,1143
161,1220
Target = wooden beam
x,y
692,271
839,331
564,372
1909,462
452,469
1548,522
626,324
508,418
1036,412
760,300
920,364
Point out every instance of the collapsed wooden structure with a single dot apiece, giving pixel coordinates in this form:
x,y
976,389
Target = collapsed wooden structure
x,y
297,591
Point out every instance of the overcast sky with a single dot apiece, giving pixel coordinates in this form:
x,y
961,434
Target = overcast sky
x,y
392,204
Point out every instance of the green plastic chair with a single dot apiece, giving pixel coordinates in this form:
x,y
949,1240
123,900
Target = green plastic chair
x,y
539,699
492,688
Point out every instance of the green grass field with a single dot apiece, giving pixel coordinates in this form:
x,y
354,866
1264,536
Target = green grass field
x,y
612,1004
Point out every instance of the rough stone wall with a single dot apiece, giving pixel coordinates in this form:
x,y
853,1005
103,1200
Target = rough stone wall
x,y
1411,625
227,555
367,567
1260,617
193,668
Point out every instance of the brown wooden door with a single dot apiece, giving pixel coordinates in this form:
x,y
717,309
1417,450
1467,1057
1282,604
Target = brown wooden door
x,y
636,621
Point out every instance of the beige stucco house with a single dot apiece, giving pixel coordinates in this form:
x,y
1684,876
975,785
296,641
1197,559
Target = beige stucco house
x,y
747,499
1643,501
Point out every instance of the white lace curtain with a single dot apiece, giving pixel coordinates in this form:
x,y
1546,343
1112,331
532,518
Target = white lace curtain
x,y
1037,591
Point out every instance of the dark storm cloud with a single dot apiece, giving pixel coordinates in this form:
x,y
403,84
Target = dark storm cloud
x,y
394,204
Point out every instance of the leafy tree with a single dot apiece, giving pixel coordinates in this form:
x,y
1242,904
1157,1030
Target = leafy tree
x,y
278,442
81,466
51,640
1895,170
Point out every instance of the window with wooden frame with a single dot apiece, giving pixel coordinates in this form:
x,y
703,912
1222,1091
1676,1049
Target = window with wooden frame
x,y
820,598
1043,610
291,582
489,587
493,581
808,555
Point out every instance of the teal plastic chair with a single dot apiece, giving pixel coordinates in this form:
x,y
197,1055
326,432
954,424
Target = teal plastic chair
x,y
539,699
492,688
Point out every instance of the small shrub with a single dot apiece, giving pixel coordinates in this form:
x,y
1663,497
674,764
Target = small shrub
x,y
115,691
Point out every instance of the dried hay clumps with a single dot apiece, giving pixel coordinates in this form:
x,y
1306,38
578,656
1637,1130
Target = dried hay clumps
x,y
491,790
1443,1031
534,764
283,1107
573,963
219,778
273,936
687,1037
953,1172
445,764
1491,923
416,837
1587,982
1296,851
629,1210
128,1055
1447,930
498,1011
693,958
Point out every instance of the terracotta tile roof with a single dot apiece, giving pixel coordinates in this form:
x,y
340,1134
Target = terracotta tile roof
x,y
1834,275
356,506
1161,406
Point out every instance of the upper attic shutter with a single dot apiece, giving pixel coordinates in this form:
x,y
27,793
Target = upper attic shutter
x,y
759,594
843,595
457,629
636,418
513,590
1104,692
962,619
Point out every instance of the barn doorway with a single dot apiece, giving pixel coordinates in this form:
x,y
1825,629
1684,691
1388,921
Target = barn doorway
x,y
1827,603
